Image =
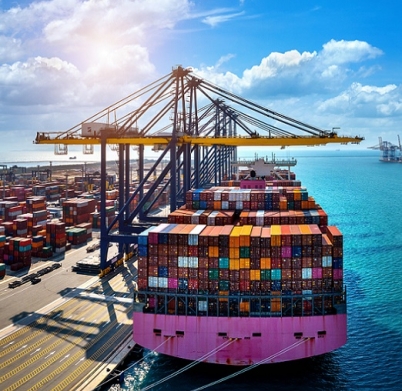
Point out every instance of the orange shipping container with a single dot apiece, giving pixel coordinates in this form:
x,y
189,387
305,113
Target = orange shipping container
x,y
213,251
265,263
234,240
275,235
245,235
234,252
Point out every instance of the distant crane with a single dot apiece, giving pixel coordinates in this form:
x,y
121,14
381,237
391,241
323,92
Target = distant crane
x,y
389,151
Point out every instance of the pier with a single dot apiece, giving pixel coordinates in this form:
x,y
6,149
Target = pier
x,y
73,342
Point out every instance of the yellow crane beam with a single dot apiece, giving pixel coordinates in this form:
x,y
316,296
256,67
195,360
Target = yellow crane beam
x,y
210,141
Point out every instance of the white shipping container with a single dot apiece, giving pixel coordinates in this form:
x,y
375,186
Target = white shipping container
x,y
307,292
193,262
193,235
232,195
307,273
239,205
260,218
211,217
202,305
195,218
327,261
218,195
153,282
162,282
182,261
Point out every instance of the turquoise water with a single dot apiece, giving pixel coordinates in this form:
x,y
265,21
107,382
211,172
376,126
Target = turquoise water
x,y
362,196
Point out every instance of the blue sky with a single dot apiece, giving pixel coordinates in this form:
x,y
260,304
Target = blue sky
x,y
327,63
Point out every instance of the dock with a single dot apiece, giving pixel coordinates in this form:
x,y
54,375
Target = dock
x,y
73,343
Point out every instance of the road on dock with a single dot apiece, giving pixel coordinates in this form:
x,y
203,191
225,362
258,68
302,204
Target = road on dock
x,y
66,332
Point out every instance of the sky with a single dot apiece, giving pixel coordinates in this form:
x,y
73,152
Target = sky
x,y
326,63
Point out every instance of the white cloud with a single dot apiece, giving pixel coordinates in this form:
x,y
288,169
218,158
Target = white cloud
x,y
214,20
81,51
60,55
346,52
365,101
10,49
298,74
318,88
38,81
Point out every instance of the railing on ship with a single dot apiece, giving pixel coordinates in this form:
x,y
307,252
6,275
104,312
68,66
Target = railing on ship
x,y
271,305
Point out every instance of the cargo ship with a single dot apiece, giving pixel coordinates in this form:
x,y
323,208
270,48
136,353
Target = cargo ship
x,y
242,274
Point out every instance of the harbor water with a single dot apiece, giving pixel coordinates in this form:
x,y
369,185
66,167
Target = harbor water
x,y
362,196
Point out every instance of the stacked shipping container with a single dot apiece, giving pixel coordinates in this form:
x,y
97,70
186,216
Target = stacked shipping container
x,y
56,237
18,253
280,246
78,210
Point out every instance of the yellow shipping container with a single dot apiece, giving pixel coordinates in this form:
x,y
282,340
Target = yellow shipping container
x,y
255,275
234,264
244,263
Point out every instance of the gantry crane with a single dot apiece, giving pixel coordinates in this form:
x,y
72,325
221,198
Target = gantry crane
x,y
196,125
389,150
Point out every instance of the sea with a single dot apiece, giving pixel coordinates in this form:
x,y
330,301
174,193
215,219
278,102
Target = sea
x,y
363,198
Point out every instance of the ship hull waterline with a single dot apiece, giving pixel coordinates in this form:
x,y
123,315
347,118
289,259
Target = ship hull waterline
x,y
245,341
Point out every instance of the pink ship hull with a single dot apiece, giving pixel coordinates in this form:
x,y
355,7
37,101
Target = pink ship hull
x,y
249,340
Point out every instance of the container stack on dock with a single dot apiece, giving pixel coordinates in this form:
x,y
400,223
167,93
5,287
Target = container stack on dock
x,y
78,210
18,253
9,210
110,211
51,191
2,270
2,245
79,234
56,237
19,192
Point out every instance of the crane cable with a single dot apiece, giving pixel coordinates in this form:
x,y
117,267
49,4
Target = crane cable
x,y
192,364
265,360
